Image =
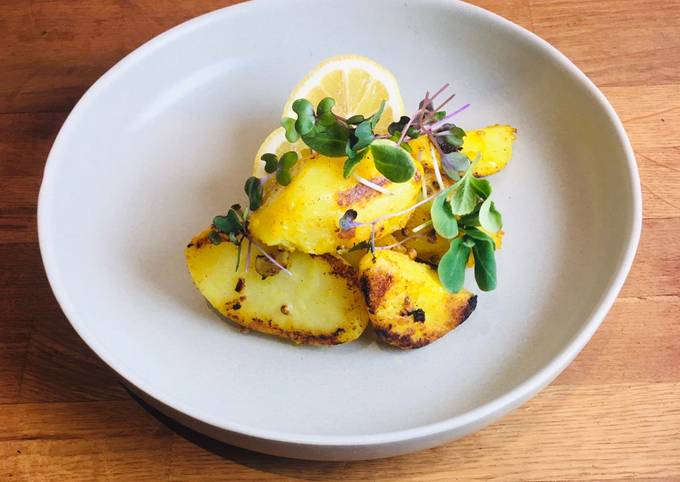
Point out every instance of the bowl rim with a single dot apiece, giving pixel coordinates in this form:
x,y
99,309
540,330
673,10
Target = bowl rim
x,y
482,414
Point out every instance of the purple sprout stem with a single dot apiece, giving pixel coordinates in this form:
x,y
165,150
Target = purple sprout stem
x,y
448,99
443,121
442,89
270,258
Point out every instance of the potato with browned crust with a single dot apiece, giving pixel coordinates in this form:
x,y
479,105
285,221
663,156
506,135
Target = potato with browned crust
x,y
320,304
407,305
305,214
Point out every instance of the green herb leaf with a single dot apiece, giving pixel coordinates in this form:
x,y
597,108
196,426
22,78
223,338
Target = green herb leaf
x,y
392,161
326,119
454,163
375,118
489,217
288,123
466,193
353,161
355,119
325,105
253,189
331,142
398,126
364,135
270,162
439,115
479,235
485,265
306,120
451,268
228,224
214,237
283,174
443,220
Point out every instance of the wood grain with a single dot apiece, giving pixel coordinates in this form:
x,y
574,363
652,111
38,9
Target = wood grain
x,y
613,414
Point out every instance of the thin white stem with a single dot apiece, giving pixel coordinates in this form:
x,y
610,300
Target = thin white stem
x,y
372,185
435,165
423,184
408,238
270,258
248,254
405,211
422,226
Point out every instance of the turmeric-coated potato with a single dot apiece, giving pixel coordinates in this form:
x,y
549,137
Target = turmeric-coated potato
x,y
320,304
304,215
407,305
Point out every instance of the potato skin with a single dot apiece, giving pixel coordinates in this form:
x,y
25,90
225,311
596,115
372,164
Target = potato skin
x,y
304,215
407,306
319,305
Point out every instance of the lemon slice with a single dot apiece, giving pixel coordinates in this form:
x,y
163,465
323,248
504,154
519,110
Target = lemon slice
x,y
276,143
357,84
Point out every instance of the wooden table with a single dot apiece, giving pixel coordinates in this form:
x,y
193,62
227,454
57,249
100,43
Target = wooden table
x,y
615,413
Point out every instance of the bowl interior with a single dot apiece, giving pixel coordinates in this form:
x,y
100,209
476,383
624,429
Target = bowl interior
x,y
164,142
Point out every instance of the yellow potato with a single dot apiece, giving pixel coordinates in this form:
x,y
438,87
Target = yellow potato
x,y
494,143
407,305
304,215
319,305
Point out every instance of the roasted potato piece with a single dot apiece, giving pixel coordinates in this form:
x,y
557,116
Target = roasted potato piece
x,y
494,143
407,305
304,215
319,305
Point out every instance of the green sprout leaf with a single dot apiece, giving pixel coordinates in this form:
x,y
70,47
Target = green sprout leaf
x,y
364,135
325,105
231,223
454,163
352,161
288,123
489,218
395,128
451,268
331,142
485,264
375,118
306,120
392,161
355,119
466,193
443,220
284,176
253,189
214,237
270,162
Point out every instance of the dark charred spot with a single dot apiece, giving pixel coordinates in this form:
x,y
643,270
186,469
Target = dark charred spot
x,y
374,285
240,284
418,315
284,309
190,245
469,308
340,268
236,306
358,193
404,342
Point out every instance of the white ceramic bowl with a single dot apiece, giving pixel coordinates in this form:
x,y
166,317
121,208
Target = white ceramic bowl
x,y
164,140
